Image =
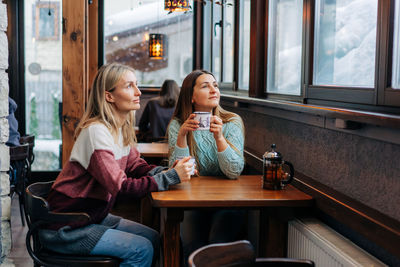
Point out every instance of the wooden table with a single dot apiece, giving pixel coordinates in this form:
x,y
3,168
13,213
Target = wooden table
x,y
153,150
245,192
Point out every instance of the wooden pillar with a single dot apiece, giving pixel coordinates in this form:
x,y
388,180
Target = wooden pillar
x,y
74,69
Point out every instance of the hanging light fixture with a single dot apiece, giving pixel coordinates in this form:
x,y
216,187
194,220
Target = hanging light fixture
x,y
157,44
176,5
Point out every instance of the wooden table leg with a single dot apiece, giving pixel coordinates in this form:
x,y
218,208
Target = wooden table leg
x,y
273,234
171,237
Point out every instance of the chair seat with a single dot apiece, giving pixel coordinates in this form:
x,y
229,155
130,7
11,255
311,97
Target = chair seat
x,y
58,259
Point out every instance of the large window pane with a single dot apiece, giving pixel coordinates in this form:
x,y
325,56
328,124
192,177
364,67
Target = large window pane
x,y
229,30
396,48
216,40
244,45
345,42
127,27
284,46
43,79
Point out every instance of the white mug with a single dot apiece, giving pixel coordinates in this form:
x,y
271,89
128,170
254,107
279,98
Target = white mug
x,y
204,119
191,160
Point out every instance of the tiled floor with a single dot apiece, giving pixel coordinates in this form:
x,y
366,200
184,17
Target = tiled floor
x,y
18,254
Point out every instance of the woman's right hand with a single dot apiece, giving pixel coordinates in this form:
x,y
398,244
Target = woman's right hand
x,y
189,125
183,167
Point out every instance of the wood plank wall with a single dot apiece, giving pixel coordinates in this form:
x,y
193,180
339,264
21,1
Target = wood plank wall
x,y
74,69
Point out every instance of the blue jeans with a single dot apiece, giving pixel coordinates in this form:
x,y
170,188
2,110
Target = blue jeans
x,y
134,243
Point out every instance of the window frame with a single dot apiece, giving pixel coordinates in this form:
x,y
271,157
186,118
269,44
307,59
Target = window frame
x,y
382,97
208,35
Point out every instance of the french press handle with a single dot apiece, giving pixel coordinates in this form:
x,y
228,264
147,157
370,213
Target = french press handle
x,y
291,173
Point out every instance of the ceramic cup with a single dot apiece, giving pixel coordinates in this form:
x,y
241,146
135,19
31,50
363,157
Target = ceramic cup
x,y
191,160
204,120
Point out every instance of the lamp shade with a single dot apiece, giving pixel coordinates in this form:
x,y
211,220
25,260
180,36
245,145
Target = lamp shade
x,y
176,5
157,45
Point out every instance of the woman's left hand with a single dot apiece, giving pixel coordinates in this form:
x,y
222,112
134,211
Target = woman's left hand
x,y
216,127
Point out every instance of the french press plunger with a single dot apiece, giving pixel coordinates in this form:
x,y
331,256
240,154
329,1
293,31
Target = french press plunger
x,y
274,177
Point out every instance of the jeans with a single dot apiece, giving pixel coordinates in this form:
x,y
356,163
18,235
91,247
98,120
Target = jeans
x,y
202,227
134,243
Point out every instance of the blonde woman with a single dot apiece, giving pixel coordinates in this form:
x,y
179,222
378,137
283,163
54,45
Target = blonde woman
x,y
218,151
104,163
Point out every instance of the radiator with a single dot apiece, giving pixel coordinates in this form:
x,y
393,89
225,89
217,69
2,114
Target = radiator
x,y
311,239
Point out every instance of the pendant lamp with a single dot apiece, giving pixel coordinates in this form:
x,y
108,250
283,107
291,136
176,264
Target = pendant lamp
x,y
176,5
157,45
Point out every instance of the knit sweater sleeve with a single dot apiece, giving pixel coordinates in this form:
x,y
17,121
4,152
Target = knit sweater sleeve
x,y
138,168
231,161
175,151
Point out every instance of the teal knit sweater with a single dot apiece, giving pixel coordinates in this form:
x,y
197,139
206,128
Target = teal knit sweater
x,y
211,162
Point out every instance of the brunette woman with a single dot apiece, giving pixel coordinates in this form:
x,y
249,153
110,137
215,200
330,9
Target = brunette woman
x,y
218,151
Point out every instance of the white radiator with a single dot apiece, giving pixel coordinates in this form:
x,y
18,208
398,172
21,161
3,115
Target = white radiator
x,y
311,239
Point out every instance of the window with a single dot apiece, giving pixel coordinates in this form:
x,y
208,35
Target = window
x,y
244,44
227,29
47,21
284,46
345,43
126,33
43,80
396,48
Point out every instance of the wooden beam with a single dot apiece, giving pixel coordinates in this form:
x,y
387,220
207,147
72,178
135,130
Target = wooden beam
x,y
258,48
74,69
93,40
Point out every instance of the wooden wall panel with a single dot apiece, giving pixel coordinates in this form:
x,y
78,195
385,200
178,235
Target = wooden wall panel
x,y
74,69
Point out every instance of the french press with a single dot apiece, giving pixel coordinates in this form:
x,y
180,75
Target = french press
x,y
274,177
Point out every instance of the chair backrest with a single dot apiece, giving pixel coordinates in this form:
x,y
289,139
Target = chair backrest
x,y
283,262
38,214
30,140
238,253
37,208
19,152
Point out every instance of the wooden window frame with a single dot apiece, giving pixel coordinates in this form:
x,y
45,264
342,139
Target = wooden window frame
x,y
47,6
382,97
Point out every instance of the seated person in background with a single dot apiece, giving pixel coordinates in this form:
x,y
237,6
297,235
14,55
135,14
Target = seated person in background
x,y
218,151
104,163
158,112
13,138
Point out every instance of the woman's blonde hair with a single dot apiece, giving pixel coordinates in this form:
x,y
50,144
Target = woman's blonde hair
x,y
185,107
98,110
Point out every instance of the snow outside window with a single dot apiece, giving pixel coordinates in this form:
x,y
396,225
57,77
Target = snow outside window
x,y
345,42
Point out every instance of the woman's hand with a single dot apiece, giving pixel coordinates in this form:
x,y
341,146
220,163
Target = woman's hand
x,y
183,167
189,125
216,128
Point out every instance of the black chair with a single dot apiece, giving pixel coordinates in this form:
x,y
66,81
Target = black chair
x,y
19,169
38,214
29,139
238,254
